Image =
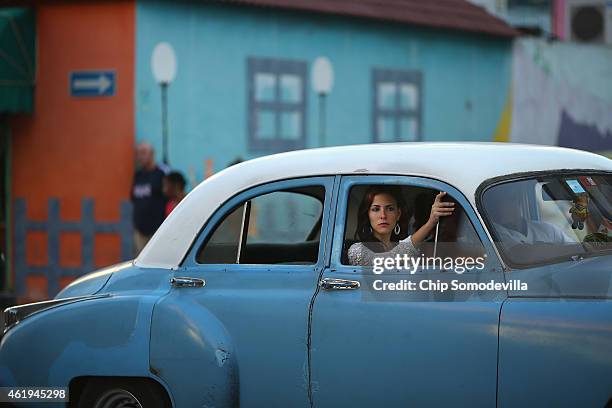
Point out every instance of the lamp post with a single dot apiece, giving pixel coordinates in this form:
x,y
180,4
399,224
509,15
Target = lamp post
x,y
323,81
163,65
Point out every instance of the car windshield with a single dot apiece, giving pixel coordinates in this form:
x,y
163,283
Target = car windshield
x,y
550,218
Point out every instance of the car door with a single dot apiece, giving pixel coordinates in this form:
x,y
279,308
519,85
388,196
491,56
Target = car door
x,y
555,345
233,330
424,348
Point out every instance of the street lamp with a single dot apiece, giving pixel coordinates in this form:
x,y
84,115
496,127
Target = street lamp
x,y
323,81
163,65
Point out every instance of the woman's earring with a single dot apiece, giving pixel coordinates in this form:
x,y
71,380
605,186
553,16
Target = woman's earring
x,y
371,230
397,229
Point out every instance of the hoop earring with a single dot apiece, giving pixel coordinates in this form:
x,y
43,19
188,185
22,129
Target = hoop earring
x,y
397,229
371,229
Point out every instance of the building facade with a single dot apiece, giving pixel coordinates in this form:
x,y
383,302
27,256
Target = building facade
x,y
243,88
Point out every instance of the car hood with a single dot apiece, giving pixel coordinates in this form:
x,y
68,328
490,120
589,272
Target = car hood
x,y
92,282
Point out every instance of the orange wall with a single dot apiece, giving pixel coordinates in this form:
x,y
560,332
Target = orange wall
x,y
73,148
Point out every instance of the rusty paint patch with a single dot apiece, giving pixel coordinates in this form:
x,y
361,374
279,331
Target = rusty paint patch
x,y
222,356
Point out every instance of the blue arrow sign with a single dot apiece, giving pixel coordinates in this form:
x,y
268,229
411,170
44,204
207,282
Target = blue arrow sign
x,y
92,83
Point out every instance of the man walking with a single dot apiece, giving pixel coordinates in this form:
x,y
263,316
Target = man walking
x,y
148,200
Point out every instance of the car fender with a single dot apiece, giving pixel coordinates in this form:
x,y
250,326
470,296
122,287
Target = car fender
x,y
193,353
61,344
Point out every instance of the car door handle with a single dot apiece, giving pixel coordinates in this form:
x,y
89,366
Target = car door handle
x,y
339,284
187,282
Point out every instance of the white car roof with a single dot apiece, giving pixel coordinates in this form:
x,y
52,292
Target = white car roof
x,y
462,165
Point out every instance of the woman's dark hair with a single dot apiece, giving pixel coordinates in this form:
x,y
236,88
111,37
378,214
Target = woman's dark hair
x,y
364,230
422,207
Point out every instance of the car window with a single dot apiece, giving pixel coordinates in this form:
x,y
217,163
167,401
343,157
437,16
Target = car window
x,y
456,236
550,219
281,227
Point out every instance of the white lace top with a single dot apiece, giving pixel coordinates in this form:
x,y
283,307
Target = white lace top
x,y
359,254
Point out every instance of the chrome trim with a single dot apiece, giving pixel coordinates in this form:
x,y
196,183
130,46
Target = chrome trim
x,y
187,282
15,314
339,284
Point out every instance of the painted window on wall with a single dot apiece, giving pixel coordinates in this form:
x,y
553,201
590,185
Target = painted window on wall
x,y
276,104
396,107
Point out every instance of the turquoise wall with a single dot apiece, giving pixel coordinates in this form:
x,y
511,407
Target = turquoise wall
x,y
466,77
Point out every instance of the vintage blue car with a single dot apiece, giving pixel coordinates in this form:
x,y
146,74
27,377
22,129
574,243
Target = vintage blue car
x,y
248,293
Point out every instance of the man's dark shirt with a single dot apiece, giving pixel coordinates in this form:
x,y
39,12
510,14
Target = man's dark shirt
x,y
148,200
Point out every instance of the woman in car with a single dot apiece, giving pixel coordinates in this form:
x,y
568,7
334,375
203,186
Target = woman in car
x,y
379,228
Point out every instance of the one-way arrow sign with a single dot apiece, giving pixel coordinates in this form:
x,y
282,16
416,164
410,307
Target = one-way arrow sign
x,y
92,83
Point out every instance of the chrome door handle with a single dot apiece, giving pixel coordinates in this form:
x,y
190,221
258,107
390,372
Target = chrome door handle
x,y
339,284
187,282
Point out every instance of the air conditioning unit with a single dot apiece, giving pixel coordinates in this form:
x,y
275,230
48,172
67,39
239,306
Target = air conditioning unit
x,y
589,21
